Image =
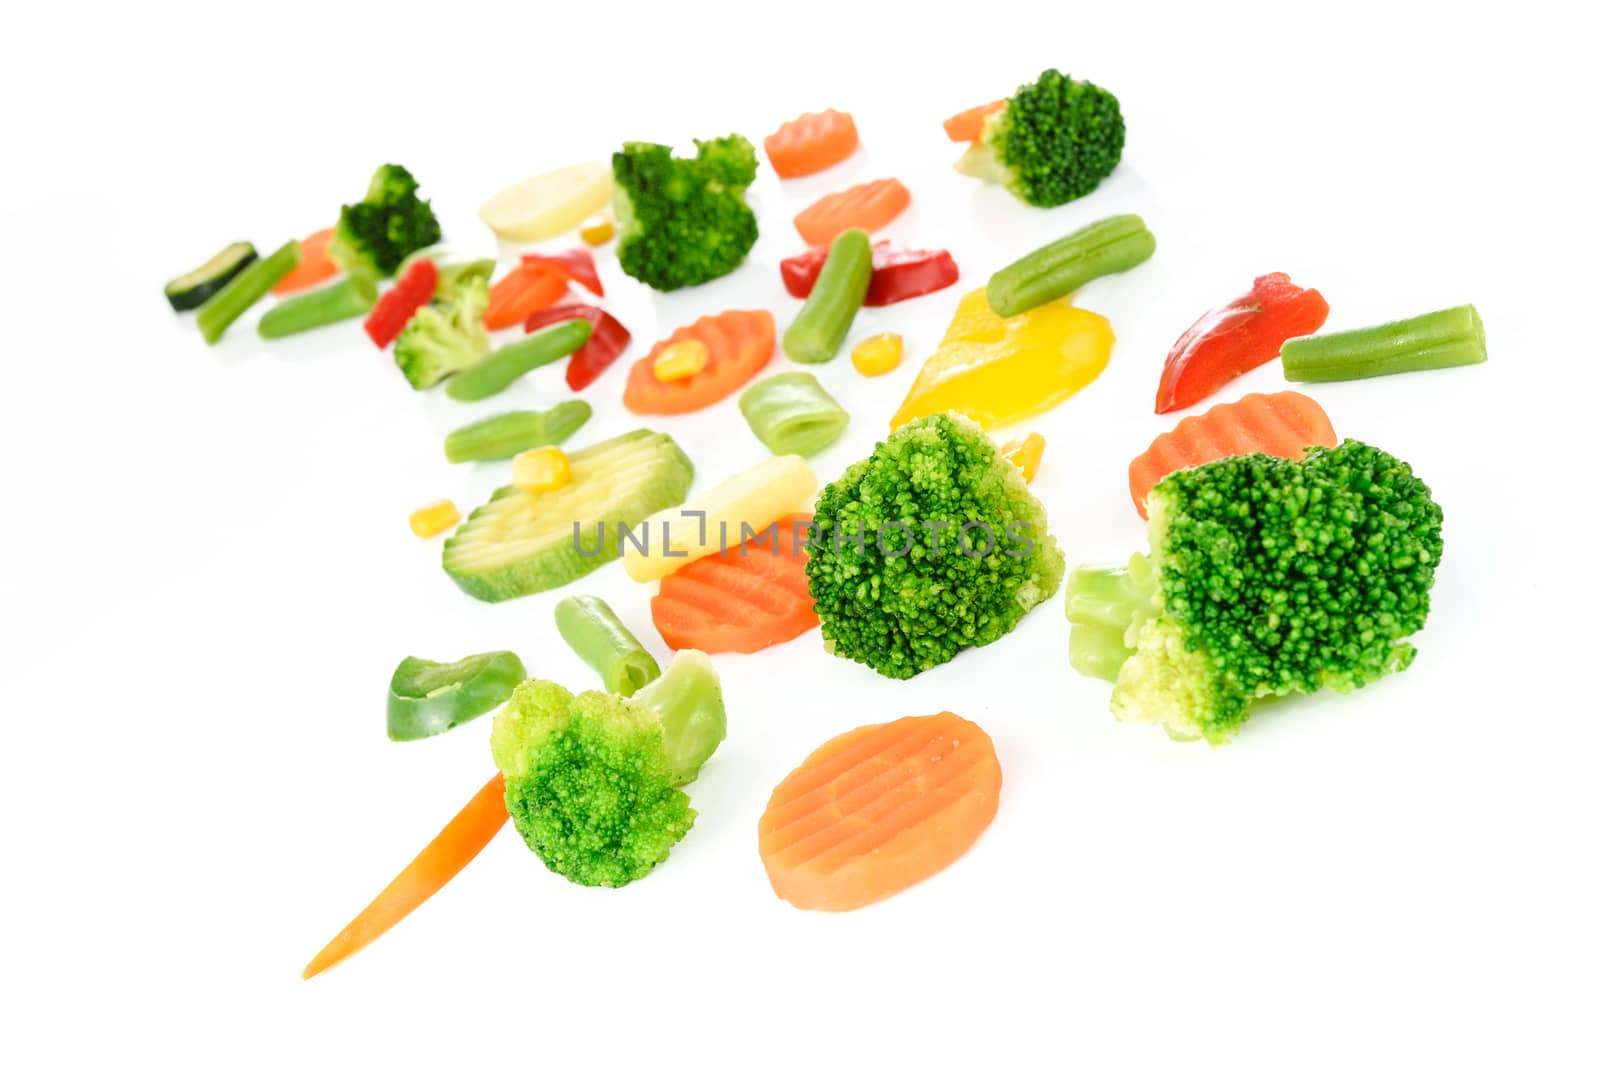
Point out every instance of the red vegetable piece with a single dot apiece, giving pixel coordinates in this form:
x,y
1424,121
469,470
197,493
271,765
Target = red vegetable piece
x,y
576,263
606,341
396,307
897,273
1231,340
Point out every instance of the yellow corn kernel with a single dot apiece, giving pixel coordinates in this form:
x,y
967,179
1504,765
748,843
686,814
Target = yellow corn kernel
x,y
681,359
598,230
541,470
878,354
1026,454
435,518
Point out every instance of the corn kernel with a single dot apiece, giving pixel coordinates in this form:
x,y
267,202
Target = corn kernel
x,y
598,230
878,354
434,519
541,470
1026,454
681,359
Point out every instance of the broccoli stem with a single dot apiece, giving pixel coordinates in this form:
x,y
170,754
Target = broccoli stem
x,y
1452,337
1105,603
687,702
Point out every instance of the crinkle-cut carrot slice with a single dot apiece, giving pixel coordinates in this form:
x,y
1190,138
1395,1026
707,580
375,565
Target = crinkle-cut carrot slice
x,y
870,205
813,142
741,600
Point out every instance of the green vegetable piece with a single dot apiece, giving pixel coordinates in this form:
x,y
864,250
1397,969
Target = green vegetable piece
x,y
681,222
792,413
375,235
455,271
1109,246
825,318
190,290
349,298
502,436
242,292
594,780
596,634
442,339
1449,338
510,362
427,697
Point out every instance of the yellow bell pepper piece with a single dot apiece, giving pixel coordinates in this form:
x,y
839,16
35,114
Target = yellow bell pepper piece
x,y
435,518
1026,454
681,359
541,470
736,510
997,371
878,354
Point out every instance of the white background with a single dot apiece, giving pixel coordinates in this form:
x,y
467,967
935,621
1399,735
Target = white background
x,y
208,577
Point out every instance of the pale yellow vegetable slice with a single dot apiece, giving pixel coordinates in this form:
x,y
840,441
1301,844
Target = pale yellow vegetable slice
x,y
725,517
550,204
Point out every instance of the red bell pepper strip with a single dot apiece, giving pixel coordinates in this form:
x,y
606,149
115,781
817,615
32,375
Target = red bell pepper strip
x,y
576,263
606,341
897,273
396,307
1231,340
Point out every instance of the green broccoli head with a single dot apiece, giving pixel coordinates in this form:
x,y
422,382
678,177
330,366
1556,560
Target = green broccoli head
x,y
444,338
1265,577
930,545
681,222
375,235
1054,141
593,779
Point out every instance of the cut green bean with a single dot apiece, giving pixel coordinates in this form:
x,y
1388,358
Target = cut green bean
x,y
245,288
1449,338
502,436
792,413
427,697
348,298
1061,267
825,318
510,362
596,634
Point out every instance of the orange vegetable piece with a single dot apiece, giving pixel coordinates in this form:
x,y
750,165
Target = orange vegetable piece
x,y
870,205
813,142
742,600
1278,424
968,125
528,288
878,809
440,861
738,344
314,265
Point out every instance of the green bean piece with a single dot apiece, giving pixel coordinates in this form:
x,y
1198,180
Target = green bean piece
x,y
348,298
792,413
510,362
825,318
428,697
1449,338
502,436
1109,246
596,634
247,287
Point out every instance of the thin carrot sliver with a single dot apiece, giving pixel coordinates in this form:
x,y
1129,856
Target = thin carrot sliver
x,y
314,266
968,125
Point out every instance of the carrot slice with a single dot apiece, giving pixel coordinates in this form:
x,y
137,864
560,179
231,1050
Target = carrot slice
x,y
1278,424
738,344
440,861
528,288
813,142
870,205
968,125
878,809
314,265
746,598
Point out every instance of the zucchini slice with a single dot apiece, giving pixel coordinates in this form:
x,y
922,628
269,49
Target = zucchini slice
x,y
191,290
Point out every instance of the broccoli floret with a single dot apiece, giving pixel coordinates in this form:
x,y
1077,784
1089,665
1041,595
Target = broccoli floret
x,y
389,224
1054,141
1265,577
593,780
681,222
443,338
930,545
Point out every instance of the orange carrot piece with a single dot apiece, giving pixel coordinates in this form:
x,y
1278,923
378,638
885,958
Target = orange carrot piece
x,y
440,861
878,809
742,600
314,265
530,287
968,125
813,142
1278,424
739,344
870,205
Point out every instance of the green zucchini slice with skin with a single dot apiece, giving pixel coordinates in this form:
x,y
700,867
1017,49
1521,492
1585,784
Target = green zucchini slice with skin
x,y
189,291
